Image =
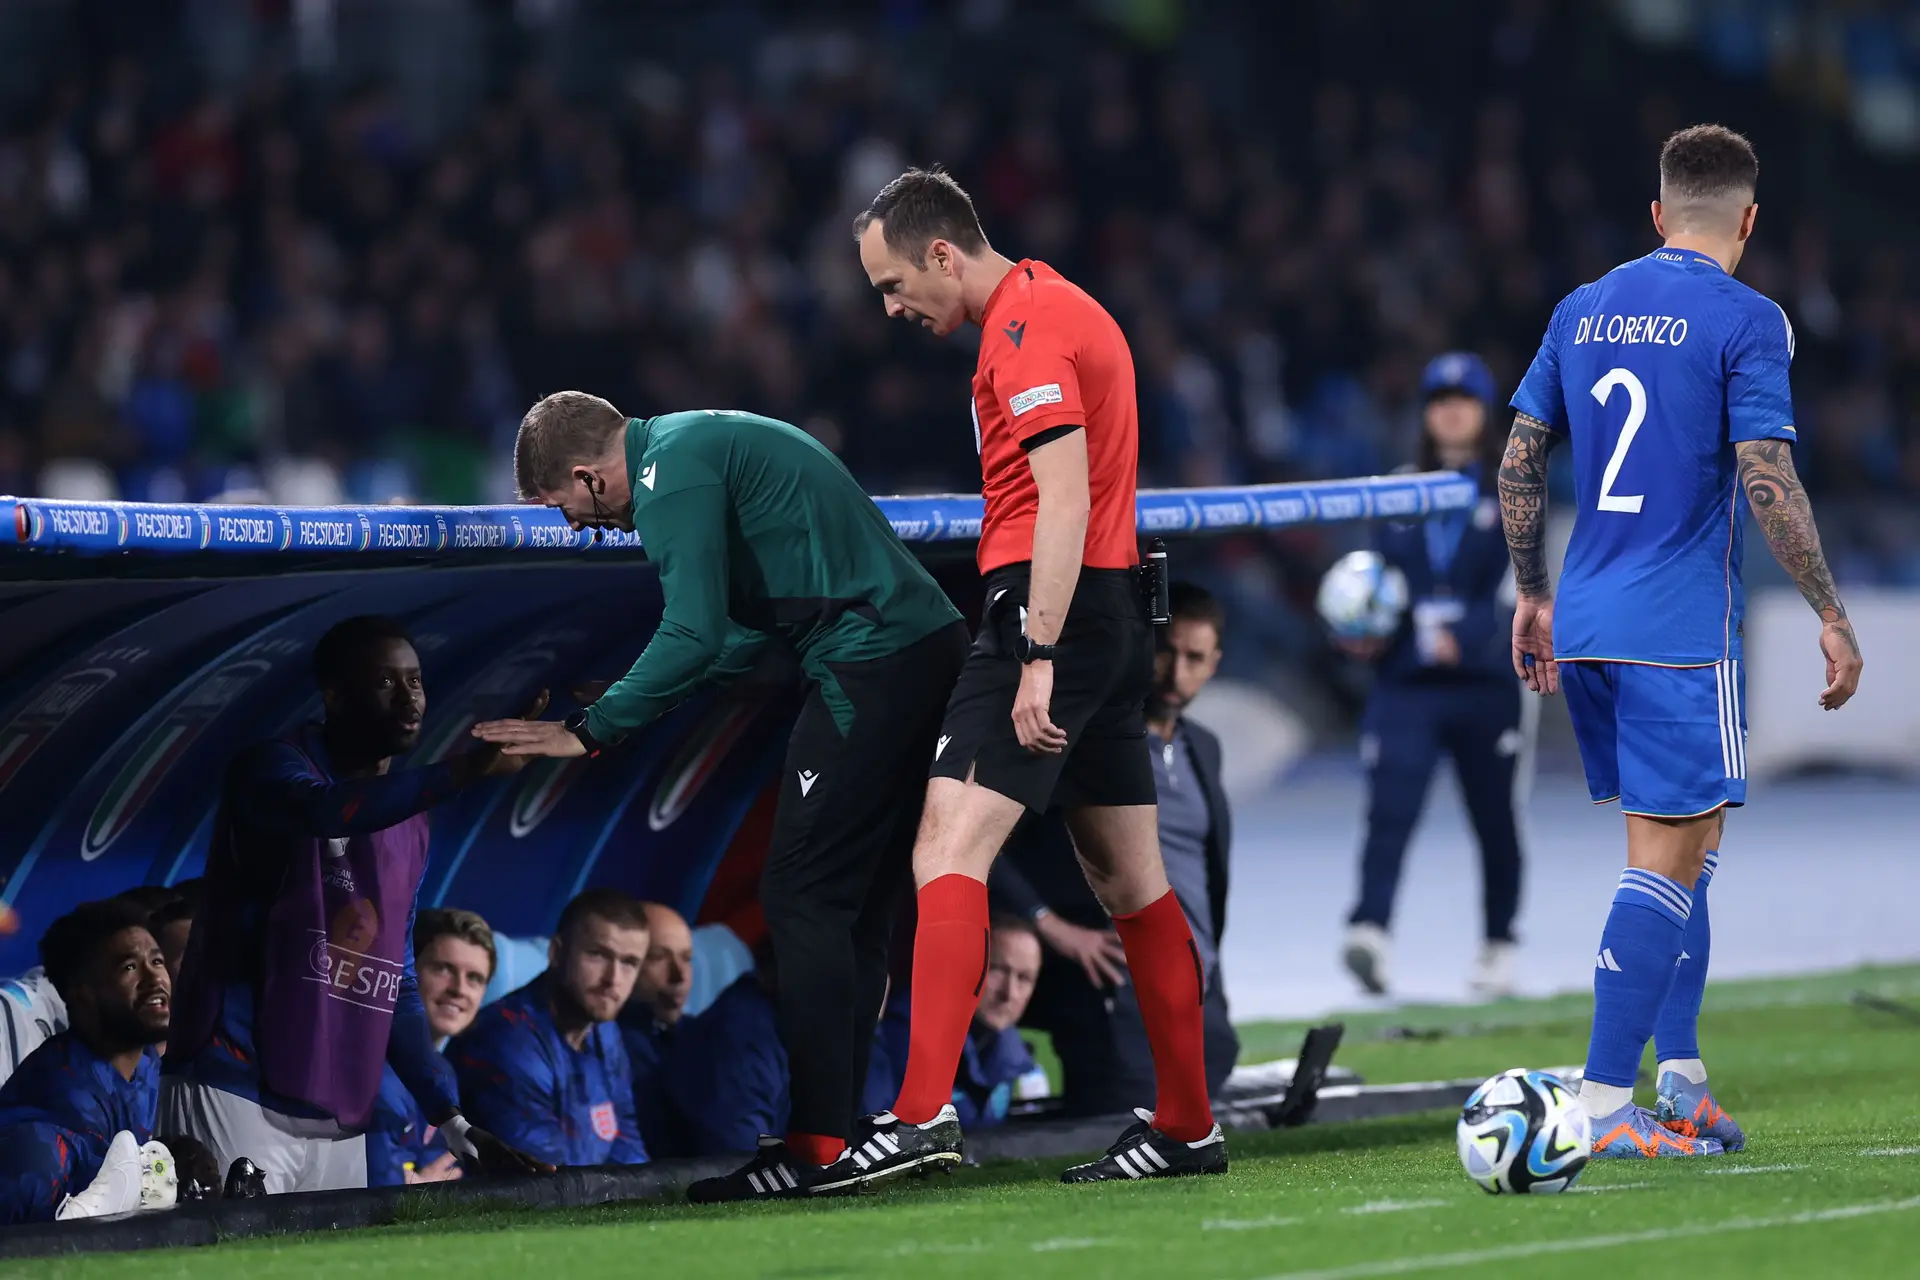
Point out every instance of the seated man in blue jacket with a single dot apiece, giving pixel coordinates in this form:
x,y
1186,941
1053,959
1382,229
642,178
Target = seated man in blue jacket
x,y
77,1115
994,1057
650,1025
454,958
543,1067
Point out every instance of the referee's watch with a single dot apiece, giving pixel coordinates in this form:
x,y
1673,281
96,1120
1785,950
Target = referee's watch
x,y
1027,651
577,725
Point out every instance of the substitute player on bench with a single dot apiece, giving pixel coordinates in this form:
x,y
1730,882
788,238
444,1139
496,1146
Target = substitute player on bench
x,y
760,533
1051,707
1670,379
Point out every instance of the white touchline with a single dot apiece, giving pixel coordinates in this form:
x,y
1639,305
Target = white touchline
x,y
1246,1224
1618,1186
1068,1242
1474,1257
1892,1151
1725,1171
1393,1206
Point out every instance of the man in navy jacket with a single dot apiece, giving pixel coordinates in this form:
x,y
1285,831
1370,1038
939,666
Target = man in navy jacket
x,y
545,1064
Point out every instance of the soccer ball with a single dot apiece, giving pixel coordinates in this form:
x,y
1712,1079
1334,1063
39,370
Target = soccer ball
x,y
1524,1132
1362,597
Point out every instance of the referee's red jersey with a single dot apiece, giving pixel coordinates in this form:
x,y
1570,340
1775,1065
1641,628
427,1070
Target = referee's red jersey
x,y
1051,357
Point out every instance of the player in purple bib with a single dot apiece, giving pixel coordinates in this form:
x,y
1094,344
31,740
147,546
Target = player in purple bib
x,y
298,982
1668,379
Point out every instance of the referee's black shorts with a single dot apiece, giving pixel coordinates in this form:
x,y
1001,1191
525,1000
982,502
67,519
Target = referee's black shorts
x,y
1102,674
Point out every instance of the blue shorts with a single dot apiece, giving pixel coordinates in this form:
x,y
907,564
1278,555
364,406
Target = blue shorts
x,y
1667,742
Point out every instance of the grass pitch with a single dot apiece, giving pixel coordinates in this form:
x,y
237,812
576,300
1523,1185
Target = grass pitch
x,y
1829,1184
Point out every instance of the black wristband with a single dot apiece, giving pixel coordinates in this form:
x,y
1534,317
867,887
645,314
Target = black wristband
x,y
1026,650
577,725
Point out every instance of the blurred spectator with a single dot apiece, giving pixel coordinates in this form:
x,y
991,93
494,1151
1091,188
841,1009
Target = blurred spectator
x,y
454,958
544,1067
82,1088
650,1020
1082,997
199,286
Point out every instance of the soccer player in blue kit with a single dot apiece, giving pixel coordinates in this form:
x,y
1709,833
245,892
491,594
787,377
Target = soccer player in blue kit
x,y
1670,380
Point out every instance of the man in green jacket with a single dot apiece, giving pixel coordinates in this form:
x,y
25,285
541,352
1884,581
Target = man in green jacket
x,y
761,535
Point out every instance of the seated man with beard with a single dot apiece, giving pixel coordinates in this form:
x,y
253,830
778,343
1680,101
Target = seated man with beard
x,y
544,1067
77,1118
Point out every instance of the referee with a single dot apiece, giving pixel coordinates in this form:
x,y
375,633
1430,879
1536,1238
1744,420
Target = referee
x,y
760,535
1051,707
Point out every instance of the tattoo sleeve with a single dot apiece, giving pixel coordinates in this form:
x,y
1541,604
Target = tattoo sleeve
x,y
1780,506
1523,502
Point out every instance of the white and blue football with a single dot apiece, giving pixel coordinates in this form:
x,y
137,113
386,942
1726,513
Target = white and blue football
x,y
1362,597
1524,1133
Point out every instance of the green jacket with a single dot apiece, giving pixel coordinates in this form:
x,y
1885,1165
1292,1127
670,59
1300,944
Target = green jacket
x,y
759,533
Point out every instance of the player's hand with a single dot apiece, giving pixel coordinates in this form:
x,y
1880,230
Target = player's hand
x,y
1533,644
477,1146
1843,663
444,1168
1031,723
496,759
1098,951
1445,649
511,738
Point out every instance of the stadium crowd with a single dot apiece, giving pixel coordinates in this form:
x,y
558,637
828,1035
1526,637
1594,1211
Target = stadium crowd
x,y
209,289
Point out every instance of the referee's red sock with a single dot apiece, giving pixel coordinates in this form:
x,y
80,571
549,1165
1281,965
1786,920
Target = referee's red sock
x,y
815,1148
949,967
1164,968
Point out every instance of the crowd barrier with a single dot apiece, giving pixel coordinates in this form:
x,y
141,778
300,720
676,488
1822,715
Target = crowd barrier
x,y
140,645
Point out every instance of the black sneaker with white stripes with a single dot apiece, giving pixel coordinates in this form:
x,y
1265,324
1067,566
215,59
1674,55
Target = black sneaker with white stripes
x,y
1145,1152
772,1174
883,1145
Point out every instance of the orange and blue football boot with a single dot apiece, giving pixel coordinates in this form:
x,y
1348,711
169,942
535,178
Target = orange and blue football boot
x,y
1691,1111
1635,1133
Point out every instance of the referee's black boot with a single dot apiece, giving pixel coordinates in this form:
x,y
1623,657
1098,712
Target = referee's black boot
x,y
883,1145
772,1174
1145,1152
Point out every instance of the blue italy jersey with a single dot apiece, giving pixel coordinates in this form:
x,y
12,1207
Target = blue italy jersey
x,y
1654,371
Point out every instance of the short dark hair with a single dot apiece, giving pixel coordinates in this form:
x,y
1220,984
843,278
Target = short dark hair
x,y
559,433
919,207
72,943
436,923
344,643
150,898
1708,162
172,912
613,906
1193,602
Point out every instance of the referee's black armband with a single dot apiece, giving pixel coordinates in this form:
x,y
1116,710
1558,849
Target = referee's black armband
x,y
1048,436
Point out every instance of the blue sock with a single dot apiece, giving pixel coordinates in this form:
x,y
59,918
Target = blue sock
x,y
1677,1033
1634,971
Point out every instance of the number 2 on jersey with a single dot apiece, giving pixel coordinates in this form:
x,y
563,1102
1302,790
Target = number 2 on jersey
x,y
1636,414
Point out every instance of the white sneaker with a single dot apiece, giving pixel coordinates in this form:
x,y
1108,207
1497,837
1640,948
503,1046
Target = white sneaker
x,y
159,1177
1366,953
115,1189
1493,972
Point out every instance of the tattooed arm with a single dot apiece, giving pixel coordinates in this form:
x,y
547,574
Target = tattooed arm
x,y
1786,518
1523,503
1523,514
